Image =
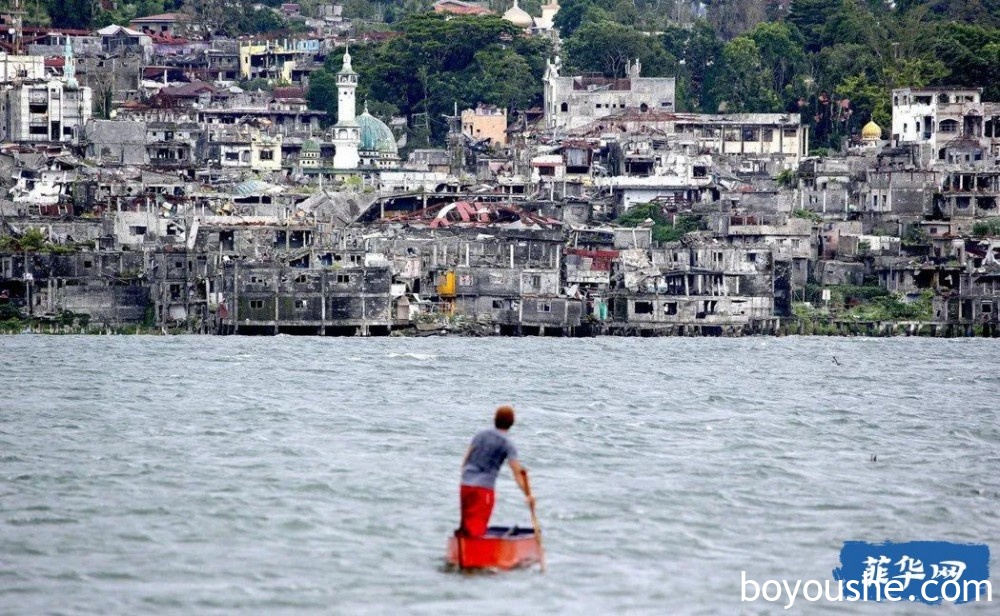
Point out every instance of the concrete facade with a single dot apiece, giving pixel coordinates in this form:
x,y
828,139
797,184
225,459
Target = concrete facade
x,y
572,102
44,111
486,122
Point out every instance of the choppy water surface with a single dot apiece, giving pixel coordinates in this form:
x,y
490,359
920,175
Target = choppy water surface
x,y
179,475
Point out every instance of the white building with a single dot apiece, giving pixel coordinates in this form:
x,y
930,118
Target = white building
x,y
164,23
950,125
44,111
21,68
244,147
360,141
747,134
346,132
677,177
36,109
549,10
918,113
571,102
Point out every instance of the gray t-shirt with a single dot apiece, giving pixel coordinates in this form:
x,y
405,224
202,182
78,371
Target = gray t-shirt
x,y
489,449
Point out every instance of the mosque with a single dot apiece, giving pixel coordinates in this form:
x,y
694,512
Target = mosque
x,y
364,141
520,18
871,135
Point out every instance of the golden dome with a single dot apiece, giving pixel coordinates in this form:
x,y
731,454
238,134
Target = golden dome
x,y
871,132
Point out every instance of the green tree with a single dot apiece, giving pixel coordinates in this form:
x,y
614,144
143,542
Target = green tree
x,y
868,99
964,49
322,93
608,47
698,51
504,79
781,54
811,18
836,63
856,21
572,14
991,90
209,17
731,18
436,63
915,73
535,50
70,13
983,12
744,82
258,21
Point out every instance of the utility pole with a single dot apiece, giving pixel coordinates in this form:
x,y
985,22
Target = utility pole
x,y
14,16
415,124
456,146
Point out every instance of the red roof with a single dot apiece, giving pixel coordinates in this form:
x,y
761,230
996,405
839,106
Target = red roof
x,y
188,90
162,17
55,62
162,38
285,92
62,31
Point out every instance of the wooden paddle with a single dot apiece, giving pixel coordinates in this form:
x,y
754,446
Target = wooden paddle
x,y
534,521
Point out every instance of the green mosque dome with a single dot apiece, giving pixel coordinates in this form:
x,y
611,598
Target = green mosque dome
x,y
376,137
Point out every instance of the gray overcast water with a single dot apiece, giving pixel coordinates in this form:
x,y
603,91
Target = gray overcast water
x,y
202,475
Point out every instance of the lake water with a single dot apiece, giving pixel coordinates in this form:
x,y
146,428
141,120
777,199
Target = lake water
x,y
183,475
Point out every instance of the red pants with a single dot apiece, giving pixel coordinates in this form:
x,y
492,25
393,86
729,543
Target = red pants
x,y
477,505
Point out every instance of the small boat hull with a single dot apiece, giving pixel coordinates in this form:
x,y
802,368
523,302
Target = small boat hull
x,y
499,548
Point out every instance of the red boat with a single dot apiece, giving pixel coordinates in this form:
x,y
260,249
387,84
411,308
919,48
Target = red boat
x,y
499,548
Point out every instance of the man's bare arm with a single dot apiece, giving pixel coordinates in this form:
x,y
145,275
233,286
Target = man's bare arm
x,y
518,470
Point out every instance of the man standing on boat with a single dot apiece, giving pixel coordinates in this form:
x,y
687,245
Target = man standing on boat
x,y
482,462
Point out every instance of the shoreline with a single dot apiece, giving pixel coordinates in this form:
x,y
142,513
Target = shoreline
x,y
785,327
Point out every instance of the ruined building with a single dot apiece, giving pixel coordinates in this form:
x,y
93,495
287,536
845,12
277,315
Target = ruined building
x,y
571,102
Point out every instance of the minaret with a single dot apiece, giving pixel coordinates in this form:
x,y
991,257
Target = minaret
x,y
549,10
346,132
347,84
69,66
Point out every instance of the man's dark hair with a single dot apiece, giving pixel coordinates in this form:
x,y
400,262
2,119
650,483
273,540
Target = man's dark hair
x,y
504,418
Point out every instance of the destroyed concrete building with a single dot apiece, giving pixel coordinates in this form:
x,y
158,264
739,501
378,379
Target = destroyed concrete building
x,y
571,102
172,199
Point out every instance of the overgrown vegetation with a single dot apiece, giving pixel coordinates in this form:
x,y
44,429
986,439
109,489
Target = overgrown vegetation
x,y
989,227
13,320
807,215
665,228
862,303
786,178
915,236
33,240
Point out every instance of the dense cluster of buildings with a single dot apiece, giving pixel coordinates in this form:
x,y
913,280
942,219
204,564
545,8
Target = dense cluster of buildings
x,y
142,186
